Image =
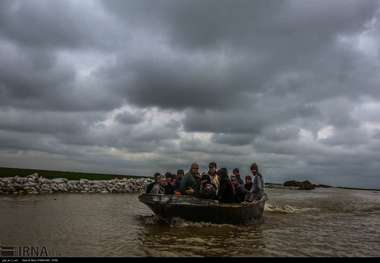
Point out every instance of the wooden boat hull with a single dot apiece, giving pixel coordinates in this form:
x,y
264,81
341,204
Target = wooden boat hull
x,y
204,210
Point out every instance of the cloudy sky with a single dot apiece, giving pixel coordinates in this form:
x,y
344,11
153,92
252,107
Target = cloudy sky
x,y
135,87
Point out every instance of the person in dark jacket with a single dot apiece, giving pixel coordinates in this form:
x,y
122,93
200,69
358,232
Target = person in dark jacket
x,y
236,172
207,189
205,179
226,191
179,176
190,183
248,183
170,178
173,181
239,190
168,185
249,196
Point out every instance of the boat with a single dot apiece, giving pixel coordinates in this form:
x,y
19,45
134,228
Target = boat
x,y
191,208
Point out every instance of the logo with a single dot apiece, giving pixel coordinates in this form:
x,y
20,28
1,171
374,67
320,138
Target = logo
x,y
25,251
8,251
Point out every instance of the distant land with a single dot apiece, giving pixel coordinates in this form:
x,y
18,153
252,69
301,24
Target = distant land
x,y
352,188
51,174
281,185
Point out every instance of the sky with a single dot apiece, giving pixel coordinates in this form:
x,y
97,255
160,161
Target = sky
x,y
135,87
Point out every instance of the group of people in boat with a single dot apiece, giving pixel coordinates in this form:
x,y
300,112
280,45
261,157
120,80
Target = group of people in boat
x,y
214,184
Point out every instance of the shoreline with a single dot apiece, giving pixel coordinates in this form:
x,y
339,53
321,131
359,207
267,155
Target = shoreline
x,y
70,175
35,184
281,186
9,172
352,188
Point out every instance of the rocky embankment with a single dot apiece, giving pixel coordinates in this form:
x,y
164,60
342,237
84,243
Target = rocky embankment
x,y
34,184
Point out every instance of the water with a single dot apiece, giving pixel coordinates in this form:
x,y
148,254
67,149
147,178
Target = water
x,y
322,222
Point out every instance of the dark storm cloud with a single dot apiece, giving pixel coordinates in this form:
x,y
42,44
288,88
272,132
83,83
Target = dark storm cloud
x,y
232,139
253,119
180,81
47,24
32,73
46,122
25,77
377,135
259,54
348,137
36,79
176,85
127,117
282,133
22,142
208,24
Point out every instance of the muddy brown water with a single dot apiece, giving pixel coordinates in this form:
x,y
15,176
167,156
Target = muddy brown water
x,y
321,222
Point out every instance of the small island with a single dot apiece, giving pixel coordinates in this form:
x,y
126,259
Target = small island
x,y
297,185
305,185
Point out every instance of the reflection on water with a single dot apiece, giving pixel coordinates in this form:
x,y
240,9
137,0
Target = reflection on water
x,y
322,222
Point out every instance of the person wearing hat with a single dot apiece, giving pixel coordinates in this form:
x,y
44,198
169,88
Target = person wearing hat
x,y
236,172
258,182
191,181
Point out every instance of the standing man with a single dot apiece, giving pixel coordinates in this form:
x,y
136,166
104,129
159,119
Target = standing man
x,y
258,182
149,187
160,187
191,181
